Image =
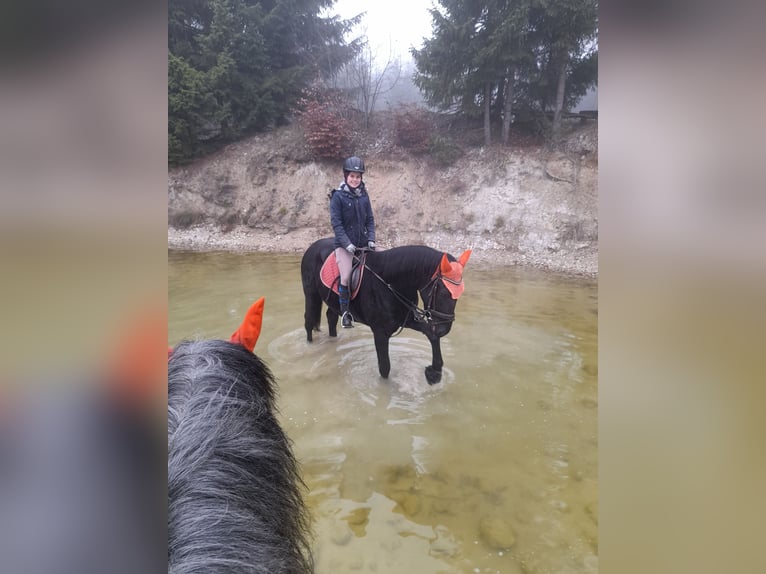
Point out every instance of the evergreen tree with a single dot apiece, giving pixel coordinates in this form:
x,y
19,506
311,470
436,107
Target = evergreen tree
x,y
445,66
470,62
488,57
239,66
564,38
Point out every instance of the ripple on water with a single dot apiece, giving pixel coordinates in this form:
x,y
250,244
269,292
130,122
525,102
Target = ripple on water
x,y
353,355
315,360
293,344
406,388
409,358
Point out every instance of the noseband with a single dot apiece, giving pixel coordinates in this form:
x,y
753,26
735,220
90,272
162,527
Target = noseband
x,y
429,315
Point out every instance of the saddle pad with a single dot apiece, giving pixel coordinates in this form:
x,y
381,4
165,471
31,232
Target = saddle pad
x,y
330,275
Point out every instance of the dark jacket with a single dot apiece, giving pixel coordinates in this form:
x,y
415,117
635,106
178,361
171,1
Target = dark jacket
x,y
351,217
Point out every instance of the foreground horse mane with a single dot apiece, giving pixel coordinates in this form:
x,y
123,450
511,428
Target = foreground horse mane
x,y
234,488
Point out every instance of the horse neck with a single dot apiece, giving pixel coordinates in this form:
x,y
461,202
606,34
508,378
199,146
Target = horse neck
x,y
413,264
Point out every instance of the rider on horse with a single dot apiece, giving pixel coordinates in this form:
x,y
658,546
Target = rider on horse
x,y
354,226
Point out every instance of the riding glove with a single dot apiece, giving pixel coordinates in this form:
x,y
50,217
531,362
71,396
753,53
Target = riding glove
x,y
371,245
351,248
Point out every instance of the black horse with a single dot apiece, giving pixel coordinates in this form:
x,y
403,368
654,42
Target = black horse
x,y
234,486
387,299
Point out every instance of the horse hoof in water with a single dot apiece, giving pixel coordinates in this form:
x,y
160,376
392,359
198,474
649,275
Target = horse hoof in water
x,y
432,375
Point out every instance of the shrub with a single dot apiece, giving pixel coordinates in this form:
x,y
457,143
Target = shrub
x,y
229,220
185,219
444,151
413,130
328,133
457,187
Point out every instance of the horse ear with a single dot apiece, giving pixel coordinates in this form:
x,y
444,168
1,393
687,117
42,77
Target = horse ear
x,y
464,257
445,266
250,329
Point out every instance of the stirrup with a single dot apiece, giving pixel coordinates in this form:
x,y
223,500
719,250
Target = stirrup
x,y
347,321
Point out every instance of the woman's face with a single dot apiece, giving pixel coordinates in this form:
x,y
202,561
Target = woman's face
x,y
354,178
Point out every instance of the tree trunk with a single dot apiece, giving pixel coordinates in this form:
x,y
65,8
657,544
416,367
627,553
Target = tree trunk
x,y
487,127
560,88
508,104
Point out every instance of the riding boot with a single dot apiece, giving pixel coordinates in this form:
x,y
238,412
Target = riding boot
x,y
347,320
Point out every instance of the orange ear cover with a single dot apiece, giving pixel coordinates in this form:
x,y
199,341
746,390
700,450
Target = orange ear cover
x,y
445,266
464,257
250,329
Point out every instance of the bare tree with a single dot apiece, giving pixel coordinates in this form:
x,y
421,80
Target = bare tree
x,y
367,79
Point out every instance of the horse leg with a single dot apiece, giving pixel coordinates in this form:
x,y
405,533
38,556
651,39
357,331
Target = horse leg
x,y
434,370
381,347
332,321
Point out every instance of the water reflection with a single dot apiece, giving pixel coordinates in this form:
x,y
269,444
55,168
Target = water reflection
x,y
493,470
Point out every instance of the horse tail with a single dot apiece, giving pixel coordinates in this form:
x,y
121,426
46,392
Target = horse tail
x,y
313,313
234,488
316,316
310,265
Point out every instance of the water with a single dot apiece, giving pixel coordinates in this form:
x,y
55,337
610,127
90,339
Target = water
x,y
493,470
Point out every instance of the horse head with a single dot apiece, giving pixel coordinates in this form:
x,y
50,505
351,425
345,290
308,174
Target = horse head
x,y
230,464
441,294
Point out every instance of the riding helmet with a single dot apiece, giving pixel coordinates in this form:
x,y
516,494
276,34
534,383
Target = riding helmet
x,y
353,164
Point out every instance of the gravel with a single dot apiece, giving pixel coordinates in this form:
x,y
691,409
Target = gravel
x,y
579,260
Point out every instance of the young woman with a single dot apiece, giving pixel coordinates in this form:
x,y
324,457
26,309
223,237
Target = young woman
x,y
354,226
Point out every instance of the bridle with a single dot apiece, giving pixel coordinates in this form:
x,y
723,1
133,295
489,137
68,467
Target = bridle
x,y
428,315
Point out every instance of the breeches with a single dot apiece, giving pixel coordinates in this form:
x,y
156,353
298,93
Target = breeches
x,y
345,261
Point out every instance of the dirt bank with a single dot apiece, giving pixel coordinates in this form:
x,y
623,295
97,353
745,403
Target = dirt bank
x,y
513,206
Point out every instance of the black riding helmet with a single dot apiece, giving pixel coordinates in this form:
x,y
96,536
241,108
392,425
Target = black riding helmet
x,y
353,164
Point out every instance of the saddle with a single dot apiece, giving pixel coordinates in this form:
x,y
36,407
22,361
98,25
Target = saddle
x,y
330,274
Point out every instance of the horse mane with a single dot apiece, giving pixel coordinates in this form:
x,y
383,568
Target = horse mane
x,y
408,260
234,498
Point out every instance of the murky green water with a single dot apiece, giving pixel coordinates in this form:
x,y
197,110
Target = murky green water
x,y
493,470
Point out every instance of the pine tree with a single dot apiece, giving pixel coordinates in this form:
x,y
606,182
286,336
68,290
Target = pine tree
x,y
565,38
488,57
239,66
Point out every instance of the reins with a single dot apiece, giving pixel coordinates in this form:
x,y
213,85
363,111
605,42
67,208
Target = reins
x,y
427,315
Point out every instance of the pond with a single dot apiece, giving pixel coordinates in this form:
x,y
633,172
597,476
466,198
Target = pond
x,y
495,469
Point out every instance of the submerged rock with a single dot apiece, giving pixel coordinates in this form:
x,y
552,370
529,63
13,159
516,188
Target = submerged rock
x,y
445,544
496,533
408,502
340,533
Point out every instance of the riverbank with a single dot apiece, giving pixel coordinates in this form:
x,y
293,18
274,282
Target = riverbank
x,y
526,206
